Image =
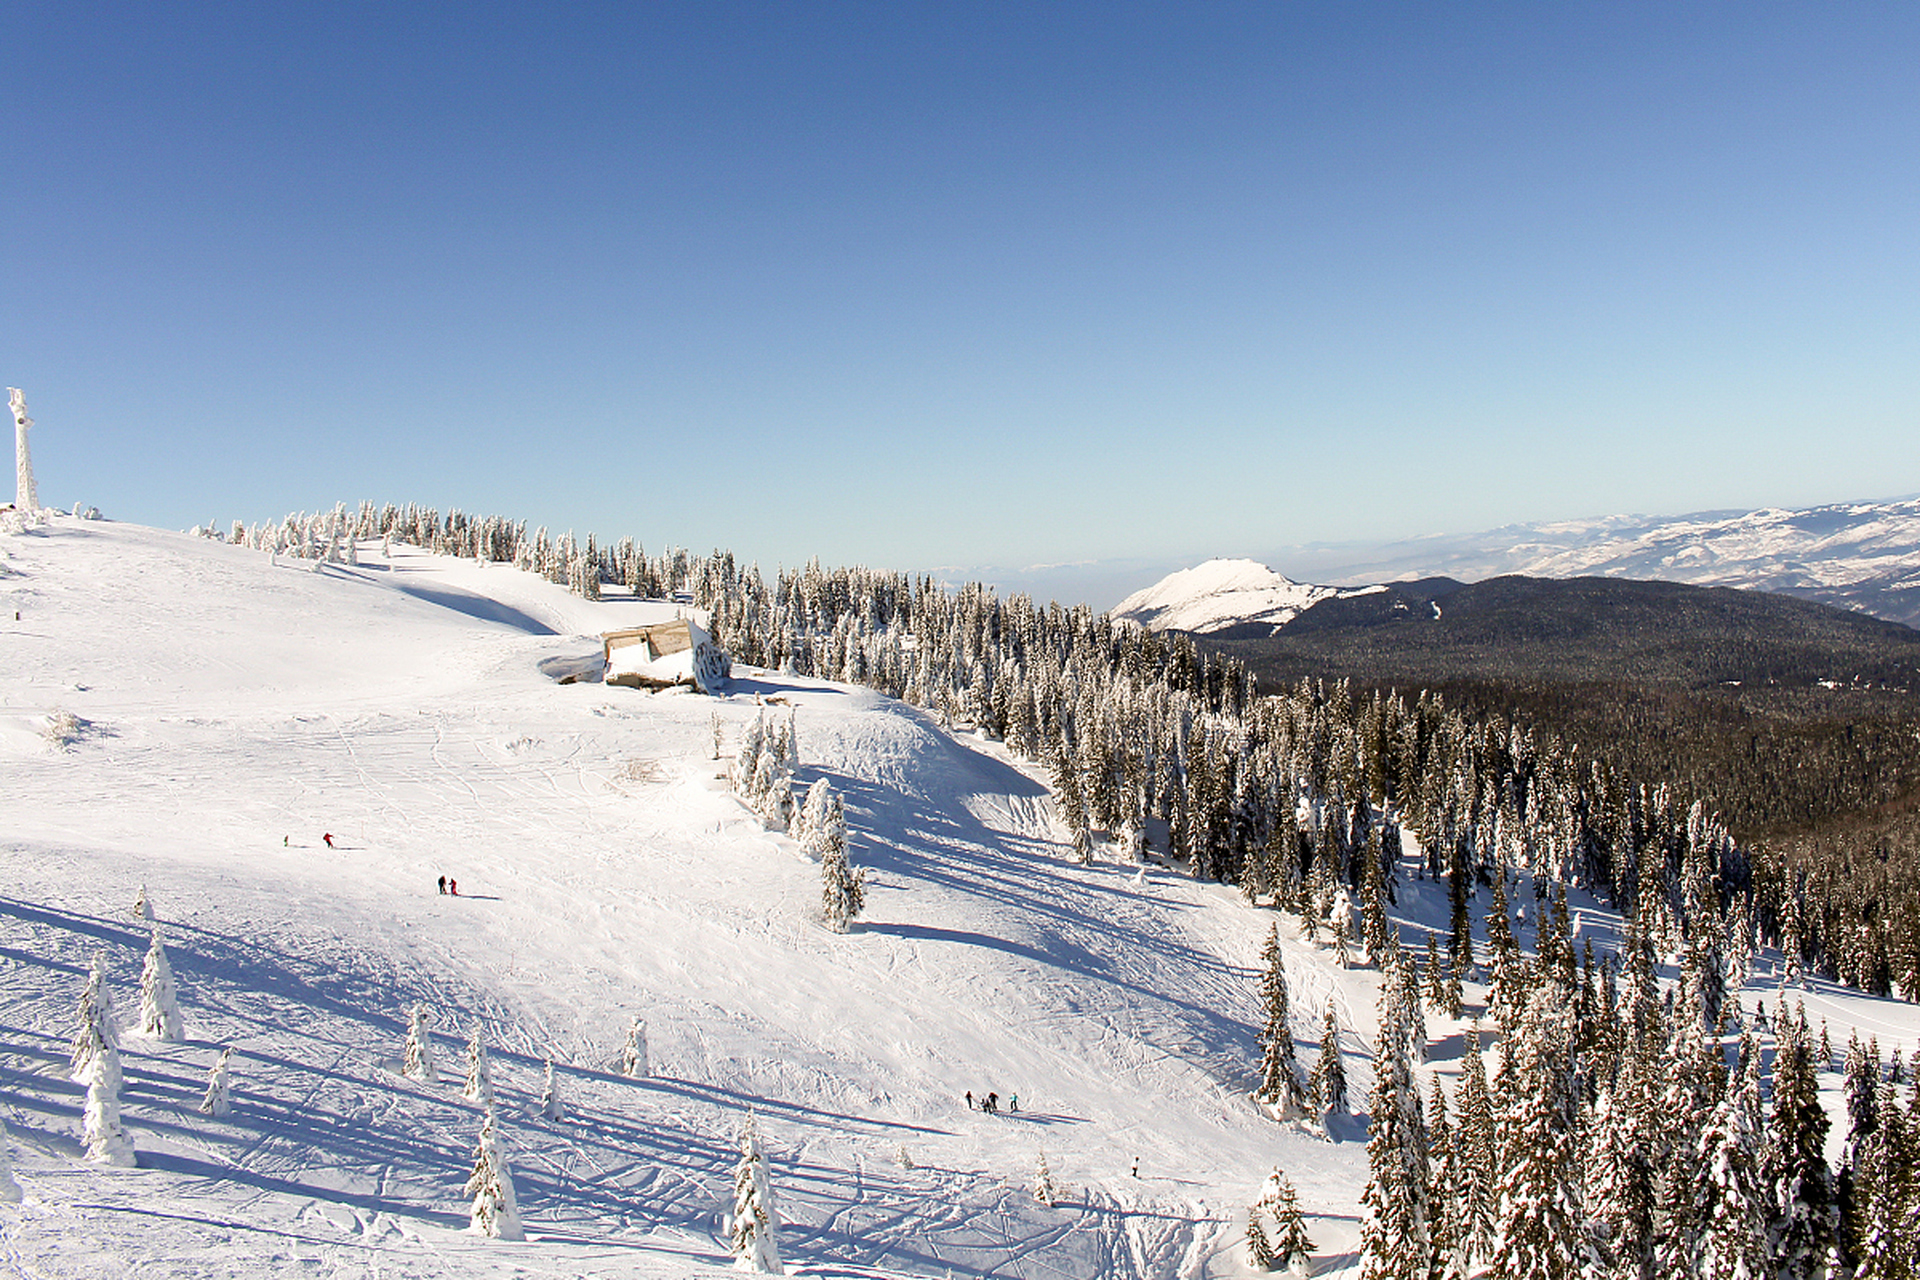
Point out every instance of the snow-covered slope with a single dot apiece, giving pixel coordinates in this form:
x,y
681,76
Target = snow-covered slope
x,y
1219,593
229,711
1860,555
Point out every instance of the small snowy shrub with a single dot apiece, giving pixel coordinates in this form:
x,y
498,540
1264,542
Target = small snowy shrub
x,y
63,729
633,1056
1045,1190
219,1100
550,1104
143,905
479,1086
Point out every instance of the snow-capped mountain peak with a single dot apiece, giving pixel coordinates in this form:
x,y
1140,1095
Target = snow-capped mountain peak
x,y
1220,593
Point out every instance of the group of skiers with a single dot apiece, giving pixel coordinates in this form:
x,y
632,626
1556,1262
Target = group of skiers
x,y
449,887
990,1103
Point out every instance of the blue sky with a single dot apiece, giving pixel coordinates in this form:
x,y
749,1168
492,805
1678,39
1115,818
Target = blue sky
x,y
923,285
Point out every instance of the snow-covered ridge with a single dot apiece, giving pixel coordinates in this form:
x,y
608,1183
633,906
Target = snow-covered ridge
x,y
1856,555
1223,593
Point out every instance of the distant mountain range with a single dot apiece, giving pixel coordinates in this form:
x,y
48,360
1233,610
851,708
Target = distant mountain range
x,y
1863,556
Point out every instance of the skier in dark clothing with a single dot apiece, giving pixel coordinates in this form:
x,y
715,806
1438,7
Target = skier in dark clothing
x,y
969,1099
443,886
993,1103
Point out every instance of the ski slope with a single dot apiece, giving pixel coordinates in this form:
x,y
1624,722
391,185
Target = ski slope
x,y
233,709
230,710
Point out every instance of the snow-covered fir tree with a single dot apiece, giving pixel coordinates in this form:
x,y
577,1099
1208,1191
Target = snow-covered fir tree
x,y
416,1062
843,890
159,1005
218,1100
1731,1202
753,1230
1476,1156
550,1104
634,1063
1801,1212
1277,1230
1279,1090
1045,1190
143,905
101,1130
479,1085
94,1022
1394,1244
495,1212
1327,1086
823,821
1542,1236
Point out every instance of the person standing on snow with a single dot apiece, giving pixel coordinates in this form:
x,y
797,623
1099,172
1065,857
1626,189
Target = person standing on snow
x,y
328,837
443,886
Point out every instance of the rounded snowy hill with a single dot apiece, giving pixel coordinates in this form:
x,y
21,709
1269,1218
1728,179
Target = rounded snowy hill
x,y
196,718
1221,593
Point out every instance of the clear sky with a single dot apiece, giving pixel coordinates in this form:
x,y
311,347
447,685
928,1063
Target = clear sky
x,y
918,285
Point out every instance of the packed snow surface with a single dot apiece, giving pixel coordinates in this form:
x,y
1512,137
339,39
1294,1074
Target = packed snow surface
x,y
195,718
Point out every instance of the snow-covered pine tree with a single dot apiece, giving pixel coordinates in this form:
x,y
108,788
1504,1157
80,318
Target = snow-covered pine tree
x,y
479,1086
416,1063
633,1055
753,1230
1883,1192
1374,925
106,1139
843,891
1794,1166
94,1021
746,761
1476,1153
550,1105
1045,1190
1328,1083
142,905
1279,1090
219,1096
1543,1236
1341,923
1277,1230
495,1212
1444,1168
159,1006
1394,1244
1731,1204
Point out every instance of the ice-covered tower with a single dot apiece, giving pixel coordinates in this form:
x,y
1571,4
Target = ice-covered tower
x,y
27,498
